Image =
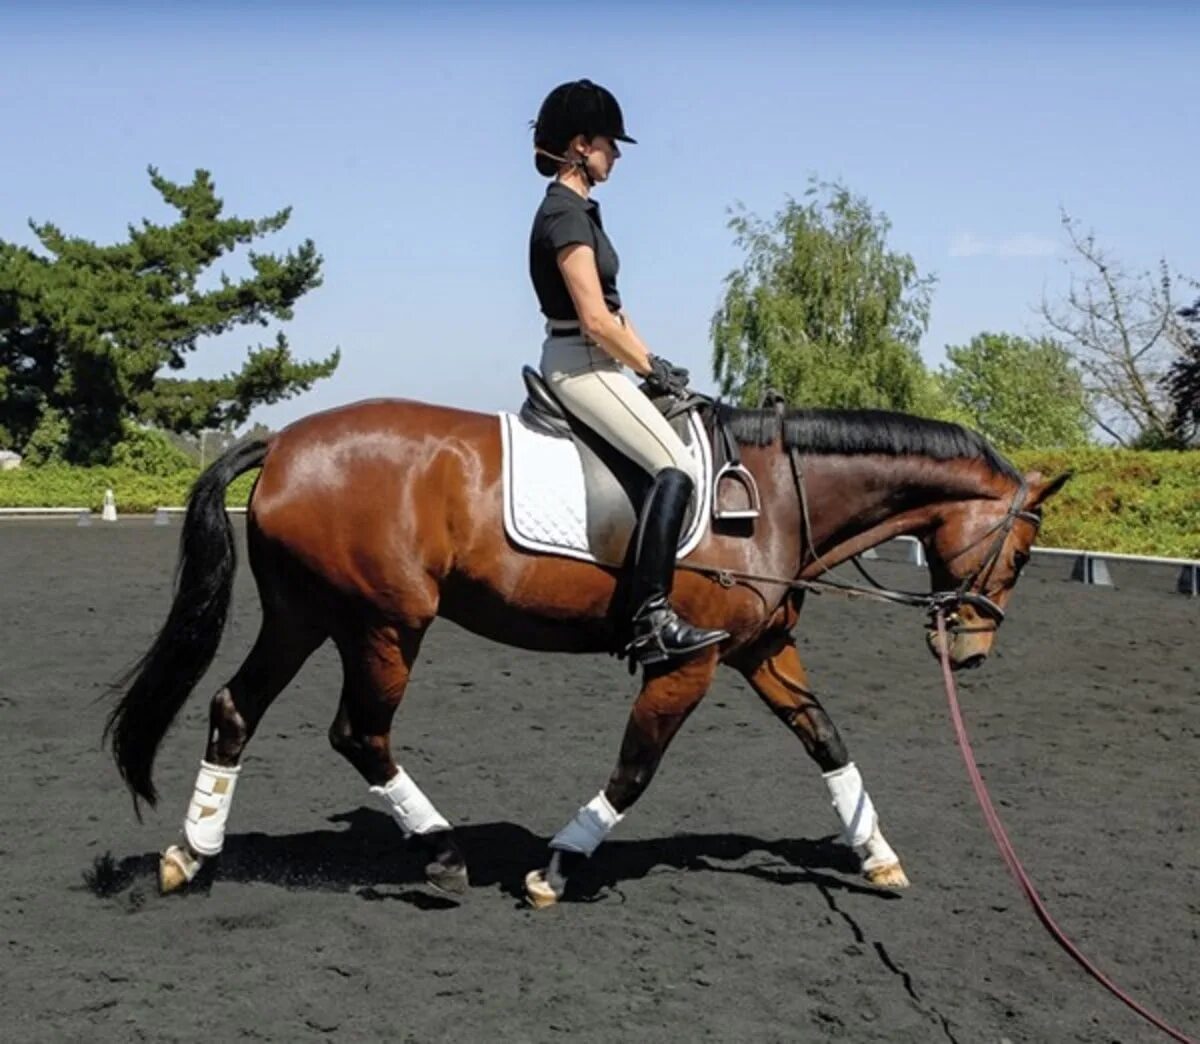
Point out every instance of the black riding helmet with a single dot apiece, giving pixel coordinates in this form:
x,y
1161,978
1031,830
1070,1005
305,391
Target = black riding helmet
x,y
578,107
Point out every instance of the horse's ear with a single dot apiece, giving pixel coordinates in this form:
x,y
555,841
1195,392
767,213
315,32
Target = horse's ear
x,y
1041,490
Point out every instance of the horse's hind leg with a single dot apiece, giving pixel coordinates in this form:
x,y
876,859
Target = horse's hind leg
x,y
283,644
657,715
778,676
377,666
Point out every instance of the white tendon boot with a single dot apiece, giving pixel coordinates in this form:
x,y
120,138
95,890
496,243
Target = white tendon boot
x,y
860,827
583,834
410,808
203,826
589,826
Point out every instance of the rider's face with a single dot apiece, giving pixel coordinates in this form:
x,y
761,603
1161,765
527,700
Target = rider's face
x,y
601,154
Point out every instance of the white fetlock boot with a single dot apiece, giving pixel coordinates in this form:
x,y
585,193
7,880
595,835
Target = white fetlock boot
x,y
860,828
203,827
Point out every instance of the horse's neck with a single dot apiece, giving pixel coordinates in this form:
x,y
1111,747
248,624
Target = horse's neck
x,y
858,502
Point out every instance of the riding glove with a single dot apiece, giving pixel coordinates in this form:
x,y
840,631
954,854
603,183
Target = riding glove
x,y
666,378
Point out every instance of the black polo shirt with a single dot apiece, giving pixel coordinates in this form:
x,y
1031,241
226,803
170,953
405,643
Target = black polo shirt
x,y
565,217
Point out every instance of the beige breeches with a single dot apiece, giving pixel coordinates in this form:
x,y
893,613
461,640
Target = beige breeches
x,y
591,384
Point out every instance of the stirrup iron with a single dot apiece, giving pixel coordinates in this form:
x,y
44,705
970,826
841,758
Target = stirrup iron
x,y
739,476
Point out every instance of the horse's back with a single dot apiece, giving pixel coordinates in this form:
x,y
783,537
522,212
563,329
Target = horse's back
x,y
390,416
371,494
336,447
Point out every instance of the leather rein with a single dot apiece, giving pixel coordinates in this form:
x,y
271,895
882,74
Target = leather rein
x,y
942,607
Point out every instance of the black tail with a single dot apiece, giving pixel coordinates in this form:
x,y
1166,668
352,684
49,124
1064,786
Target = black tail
x,y
165,676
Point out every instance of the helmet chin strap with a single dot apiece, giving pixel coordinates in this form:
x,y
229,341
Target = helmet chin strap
x,y
580,163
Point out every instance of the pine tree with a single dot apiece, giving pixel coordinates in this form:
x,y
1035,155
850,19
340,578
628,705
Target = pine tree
x,y
90,333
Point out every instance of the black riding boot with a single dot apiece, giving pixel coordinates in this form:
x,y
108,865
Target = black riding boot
x,y
658,633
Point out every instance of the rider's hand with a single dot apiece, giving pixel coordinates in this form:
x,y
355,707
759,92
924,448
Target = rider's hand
x,y
666,378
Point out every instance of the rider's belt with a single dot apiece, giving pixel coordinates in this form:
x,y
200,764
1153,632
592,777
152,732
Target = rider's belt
x,y
570,328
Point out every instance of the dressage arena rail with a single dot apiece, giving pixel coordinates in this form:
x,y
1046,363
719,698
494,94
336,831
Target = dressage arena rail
x,y
1088,567
35,512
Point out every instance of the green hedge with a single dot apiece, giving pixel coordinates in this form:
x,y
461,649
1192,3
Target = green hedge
x,y
1136,502
135,492
1139,503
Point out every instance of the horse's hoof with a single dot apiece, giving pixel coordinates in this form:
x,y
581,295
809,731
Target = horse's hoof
x,y
890,875
176,868
452,880
538,890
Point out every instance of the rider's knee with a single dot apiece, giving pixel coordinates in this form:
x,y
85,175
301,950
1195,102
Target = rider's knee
x,y
684,464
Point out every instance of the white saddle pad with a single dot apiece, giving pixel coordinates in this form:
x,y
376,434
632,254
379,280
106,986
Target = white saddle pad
x,y
545,501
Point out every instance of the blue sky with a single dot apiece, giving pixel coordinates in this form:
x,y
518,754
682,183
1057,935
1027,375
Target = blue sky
x,y
399,135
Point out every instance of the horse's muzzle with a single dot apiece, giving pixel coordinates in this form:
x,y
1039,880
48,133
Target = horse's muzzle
x,y
966,651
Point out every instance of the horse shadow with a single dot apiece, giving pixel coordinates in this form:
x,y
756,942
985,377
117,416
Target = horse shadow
x,y
365,854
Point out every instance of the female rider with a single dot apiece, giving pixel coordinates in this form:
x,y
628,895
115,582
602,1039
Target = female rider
x,y
590,338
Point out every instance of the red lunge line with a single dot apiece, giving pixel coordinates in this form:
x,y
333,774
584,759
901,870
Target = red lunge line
x,y
1014,864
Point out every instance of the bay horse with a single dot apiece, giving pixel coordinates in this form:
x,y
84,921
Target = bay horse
x,y
368,521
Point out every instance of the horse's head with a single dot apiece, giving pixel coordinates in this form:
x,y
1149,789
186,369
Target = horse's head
x,y
976,553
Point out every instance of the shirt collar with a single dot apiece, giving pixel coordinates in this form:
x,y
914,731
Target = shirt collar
x,y
557,188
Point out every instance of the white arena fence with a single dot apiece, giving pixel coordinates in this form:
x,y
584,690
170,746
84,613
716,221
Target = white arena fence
x,y
82,514
1088,567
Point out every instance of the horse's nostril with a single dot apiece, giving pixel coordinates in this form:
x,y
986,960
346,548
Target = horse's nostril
x,y
971,662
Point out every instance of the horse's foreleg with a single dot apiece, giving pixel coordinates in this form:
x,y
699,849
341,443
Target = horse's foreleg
x,y
377,667
660,710
282,646
782,682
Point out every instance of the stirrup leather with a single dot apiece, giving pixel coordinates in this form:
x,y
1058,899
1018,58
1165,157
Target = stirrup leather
x,y
732,473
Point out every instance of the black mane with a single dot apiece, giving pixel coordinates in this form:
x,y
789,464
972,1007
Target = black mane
x,y
864,431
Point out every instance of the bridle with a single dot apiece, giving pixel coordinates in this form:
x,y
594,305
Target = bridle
x,y
943,607
950,601
947,603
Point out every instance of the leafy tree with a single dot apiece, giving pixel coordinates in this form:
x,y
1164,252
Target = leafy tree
x,y
1019,393
86,330
150,452
822,311
1183,379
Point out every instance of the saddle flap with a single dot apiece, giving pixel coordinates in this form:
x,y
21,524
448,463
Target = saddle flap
x,y
576,496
